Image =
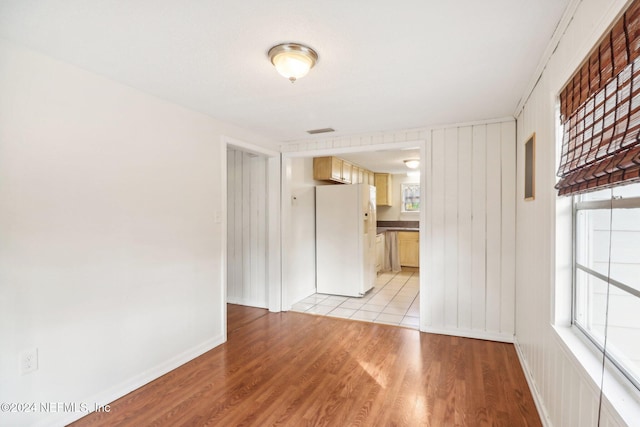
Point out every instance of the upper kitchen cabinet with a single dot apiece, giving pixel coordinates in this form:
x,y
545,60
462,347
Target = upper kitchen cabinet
x,y
328,169
335,169
347,168
356,175
370,179
383,189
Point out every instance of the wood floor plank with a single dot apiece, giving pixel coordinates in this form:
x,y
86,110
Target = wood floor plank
x,y
292,369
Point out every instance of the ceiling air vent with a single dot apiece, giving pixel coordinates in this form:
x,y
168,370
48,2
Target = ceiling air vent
x,y
324,130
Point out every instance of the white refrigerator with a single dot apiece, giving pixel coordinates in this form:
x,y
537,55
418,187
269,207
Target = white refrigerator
x,y
345,239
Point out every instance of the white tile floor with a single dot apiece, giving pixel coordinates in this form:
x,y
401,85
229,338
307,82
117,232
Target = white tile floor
x,y
394,301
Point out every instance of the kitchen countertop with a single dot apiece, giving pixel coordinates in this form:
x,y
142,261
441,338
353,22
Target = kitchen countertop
x,y
384,229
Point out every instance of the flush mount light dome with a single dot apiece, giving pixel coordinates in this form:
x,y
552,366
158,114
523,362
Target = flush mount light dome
x,y
412,163
293,60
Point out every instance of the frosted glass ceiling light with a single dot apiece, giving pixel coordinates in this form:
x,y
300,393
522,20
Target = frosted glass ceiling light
x,y
293,60
412,163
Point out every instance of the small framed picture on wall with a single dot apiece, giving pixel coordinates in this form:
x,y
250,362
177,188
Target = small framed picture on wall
x,y
530,168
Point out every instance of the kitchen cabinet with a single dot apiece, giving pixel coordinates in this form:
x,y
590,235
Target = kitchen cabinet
x,y
346,172
355,174
409,248
328,169
383,189
379,252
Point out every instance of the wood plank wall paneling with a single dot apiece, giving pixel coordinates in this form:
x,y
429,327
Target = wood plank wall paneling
x,y
435,242
451,222
493,238
246,229
565,392
478,227
471,230
508,223
465,194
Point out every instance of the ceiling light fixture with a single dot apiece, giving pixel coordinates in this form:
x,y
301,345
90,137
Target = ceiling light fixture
x,y
293,60
412,163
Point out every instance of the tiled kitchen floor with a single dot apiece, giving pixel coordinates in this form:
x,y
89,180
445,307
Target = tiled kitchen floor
x,y
393,300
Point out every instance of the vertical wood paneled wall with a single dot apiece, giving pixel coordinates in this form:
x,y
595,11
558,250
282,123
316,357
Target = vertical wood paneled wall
x,y
246,229
566,393
470,231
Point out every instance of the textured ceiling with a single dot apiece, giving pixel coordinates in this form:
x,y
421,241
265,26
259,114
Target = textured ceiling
x,y
383,65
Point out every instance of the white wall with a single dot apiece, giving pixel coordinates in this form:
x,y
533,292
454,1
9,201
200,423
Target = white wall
x,y
247,220
299,265
110,255
566,392
469,223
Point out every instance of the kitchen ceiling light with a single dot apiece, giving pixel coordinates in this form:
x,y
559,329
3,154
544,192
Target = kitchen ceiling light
x,y
293,60
412,163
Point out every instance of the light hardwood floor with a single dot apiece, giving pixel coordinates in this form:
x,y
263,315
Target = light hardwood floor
x,y
295,369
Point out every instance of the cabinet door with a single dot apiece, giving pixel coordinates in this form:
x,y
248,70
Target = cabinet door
x,y
336,168
383,189
379,252
346,172
322,168
355,174
409,248
372,178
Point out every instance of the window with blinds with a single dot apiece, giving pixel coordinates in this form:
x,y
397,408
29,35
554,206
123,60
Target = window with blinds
x,y
600,113
600,167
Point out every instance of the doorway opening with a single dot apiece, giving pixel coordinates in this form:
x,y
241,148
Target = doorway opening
x,y
395,297
247,226
251,243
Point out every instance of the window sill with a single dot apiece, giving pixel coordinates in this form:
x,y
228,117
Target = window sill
x,y
622,396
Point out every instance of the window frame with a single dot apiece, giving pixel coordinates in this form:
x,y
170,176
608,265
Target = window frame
x,y
609,204
402,199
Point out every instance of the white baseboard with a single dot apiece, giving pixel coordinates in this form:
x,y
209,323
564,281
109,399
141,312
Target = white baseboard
x,y
468,333
537,399
134,383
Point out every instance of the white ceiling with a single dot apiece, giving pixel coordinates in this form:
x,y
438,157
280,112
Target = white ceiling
x,y
383,65
390,161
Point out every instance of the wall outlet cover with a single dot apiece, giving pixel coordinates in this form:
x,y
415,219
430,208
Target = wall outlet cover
x,y
28,361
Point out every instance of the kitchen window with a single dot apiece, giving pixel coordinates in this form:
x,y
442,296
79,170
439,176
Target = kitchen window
x,y
606,289
410,197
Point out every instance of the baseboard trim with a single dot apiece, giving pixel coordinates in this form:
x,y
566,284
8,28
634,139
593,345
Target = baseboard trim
x,y
134,383
537,399
467,333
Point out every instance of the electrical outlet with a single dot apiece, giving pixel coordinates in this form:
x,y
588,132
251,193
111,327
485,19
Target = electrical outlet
x,y
28,361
